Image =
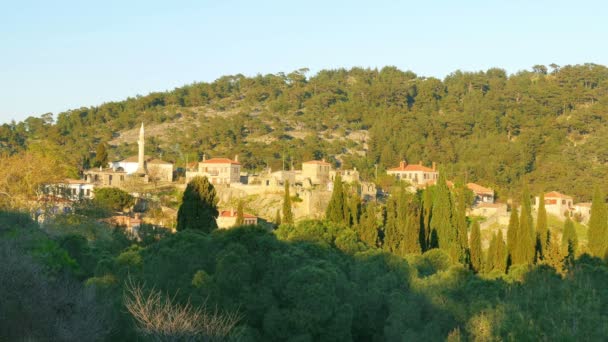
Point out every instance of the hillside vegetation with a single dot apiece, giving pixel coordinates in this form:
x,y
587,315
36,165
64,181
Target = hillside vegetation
x,y
547,126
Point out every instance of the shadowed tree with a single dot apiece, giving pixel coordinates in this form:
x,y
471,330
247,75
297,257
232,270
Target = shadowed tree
x,y
598,225
101,156
198,210
569,239
287,213
542,232
337,209
475,248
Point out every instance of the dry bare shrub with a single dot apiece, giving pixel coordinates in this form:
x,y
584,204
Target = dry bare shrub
x,y
160,318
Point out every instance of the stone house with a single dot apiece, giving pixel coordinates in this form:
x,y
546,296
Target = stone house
x,y
317,171
556,203
416,174
227,219
218,171
482,194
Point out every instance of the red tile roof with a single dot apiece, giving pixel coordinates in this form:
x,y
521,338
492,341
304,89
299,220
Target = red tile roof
x,y
415,167
478,189
317,162
555,194
220,161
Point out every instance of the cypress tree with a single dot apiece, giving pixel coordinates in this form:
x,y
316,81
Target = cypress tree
x,y
277,218
459,217
368,226
337,210
598,225
411,238
525,243
198,210
542,236
427,205
500,258
240,215
354,206
391,230
512,234
569,239
441,219
101,155
287,214
491,254
475,248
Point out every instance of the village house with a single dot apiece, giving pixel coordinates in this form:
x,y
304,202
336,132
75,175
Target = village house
x,y
227,219
218,170
71,189
582,211
317,171
416,174
557,204
348,176
155,168
482,194
105,177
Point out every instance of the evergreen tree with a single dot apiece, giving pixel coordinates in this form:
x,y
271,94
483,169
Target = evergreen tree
x,y
441,219
569,239
459,217
598,225
287,213
277,218
101,156
427,205
240,215
368,226
553,256
354,206
542,232
524,246
500,258
337,209
411,238
198,210
491,254
512,234
391,228
475,248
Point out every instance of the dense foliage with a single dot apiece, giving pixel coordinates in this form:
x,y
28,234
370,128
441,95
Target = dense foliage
x,y
198,210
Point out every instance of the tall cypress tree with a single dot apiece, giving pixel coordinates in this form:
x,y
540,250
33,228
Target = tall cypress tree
x,y
524,247
287,213
500,258
441,219
569,239
368,226
598,225
459,217
411,234
542,231
475,248
101,156
354,209
337,209
391,230
512,234
427,205
277,218
198,210
240,214
491,254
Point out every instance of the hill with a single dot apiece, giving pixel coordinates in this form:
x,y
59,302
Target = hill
x,y
545,127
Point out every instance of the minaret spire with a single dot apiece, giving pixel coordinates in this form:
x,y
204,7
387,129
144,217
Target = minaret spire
x,y
141,168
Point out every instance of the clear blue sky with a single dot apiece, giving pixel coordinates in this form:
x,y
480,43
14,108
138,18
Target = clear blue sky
x,y
59,55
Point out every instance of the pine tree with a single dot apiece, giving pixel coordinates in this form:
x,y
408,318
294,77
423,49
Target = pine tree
x,y
240,215
277,218
475,248
512,234
542,236
598,225
368,226
337,210
441,219
287,214
101,156
569,239
198,210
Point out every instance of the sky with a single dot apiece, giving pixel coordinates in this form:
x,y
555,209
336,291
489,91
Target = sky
x,y
61,55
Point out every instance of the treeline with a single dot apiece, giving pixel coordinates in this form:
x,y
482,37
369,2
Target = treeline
x,y
547,125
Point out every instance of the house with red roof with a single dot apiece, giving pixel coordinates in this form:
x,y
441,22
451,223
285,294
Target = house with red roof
x,y
482,194
227,219
218,170
416,174
556,203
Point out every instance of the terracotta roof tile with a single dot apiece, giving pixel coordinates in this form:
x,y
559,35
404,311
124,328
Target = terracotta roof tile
x,y
317,162
478,189
220,161
555,194
232,213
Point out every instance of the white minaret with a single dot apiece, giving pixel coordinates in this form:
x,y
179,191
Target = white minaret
x,y
141,169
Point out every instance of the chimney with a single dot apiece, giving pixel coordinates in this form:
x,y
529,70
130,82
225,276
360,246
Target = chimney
x,y
420,163
236,158
402,164
434,166
204,157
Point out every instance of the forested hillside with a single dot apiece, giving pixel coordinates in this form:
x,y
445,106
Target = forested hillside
x,y
547,126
